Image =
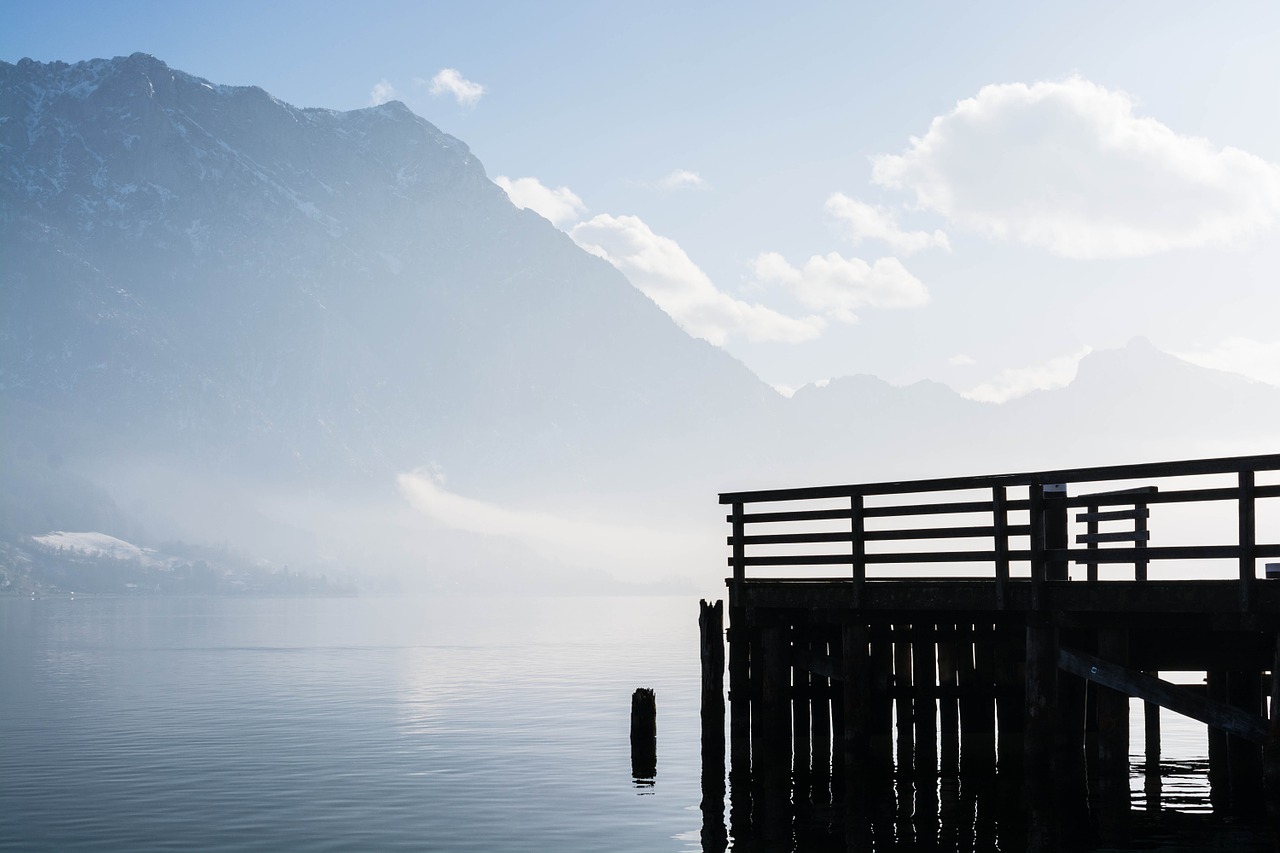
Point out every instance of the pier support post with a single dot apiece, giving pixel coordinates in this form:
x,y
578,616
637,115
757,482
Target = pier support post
x,y
775,695
1113,708
948,702
1271,752
903,694
1041,694
881,721
711,647
739,688
820,710
857,717
924,677
1244,691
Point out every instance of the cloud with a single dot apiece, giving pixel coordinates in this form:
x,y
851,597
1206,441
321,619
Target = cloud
x,y
1069,167
1254,359
663,272
867,222
449,81
682,179
381,92
961,360
1019,381
838,287
561,206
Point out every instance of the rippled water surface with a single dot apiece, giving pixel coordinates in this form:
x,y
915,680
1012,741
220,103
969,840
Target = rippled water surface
x,y
344,724
450,724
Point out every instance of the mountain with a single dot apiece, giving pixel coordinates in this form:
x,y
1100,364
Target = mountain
x,y
225,319
302,292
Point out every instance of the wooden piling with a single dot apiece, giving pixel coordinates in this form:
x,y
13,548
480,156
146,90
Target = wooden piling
x,y
1244,691
1151,728
1041,694
644,735
1113,708
924,679
948,704
711,653
903,695
856,668
881,713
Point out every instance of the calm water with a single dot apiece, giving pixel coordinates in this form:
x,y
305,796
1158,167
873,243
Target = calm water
x,y
149,724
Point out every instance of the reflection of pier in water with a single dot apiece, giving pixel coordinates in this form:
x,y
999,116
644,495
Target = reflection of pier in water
x,y
983,702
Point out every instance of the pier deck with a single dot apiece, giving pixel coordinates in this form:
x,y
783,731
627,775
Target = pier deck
x,y
1024,609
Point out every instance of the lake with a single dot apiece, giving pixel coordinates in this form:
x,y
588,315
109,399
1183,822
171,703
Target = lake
x,y
442,724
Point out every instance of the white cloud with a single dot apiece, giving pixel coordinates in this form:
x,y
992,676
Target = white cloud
x,y
1069,167
663,272
1254,359
682,179
381,92
449,81
961,360
868,222
561,206
1018,381
838,287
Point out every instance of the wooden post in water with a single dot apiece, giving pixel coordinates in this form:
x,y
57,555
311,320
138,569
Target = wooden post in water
x,y
881,697
1151,727
711,647
1113,710
948,702
775,695
1219,763
902,691
1041,694
1244,691
857,708
801,702
644,736
924,678
1271,752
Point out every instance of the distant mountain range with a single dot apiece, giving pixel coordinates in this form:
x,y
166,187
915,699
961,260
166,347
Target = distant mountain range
x,y
213,303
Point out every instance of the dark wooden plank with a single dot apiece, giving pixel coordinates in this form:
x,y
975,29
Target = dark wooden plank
x,y
1232,720
1114,536
1113,515
1150,470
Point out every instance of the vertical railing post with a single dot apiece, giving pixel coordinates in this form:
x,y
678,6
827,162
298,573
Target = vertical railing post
x,y
1091,512
859,548
1000,523
1055,529
1038,566
1140,529
1248,541
739,548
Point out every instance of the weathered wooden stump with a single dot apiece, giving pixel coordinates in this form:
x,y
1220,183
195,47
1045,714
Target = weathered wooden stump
x,y
644,735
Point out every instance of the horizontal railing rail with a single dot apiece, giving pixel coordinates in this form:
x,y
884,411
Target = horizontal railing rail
x,y
1115,523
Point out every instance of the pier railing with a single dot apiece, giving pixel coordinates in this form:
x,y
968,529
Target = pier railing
x,y
1033,526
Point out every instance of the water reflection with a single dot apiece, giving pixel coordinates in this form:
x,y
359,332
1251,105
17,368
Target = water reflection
x,y
807,802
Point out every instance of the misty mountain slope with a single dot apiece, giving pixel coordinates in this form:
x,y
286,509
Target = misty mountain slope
x,y
224,318
205,271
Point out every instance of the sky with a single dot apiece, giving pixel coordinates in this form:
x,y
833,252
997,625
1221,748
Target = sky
x,y
976,194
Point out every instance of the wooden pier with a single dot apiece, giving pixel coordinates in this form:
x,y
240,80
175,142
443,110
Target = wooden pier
x,y
912,627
